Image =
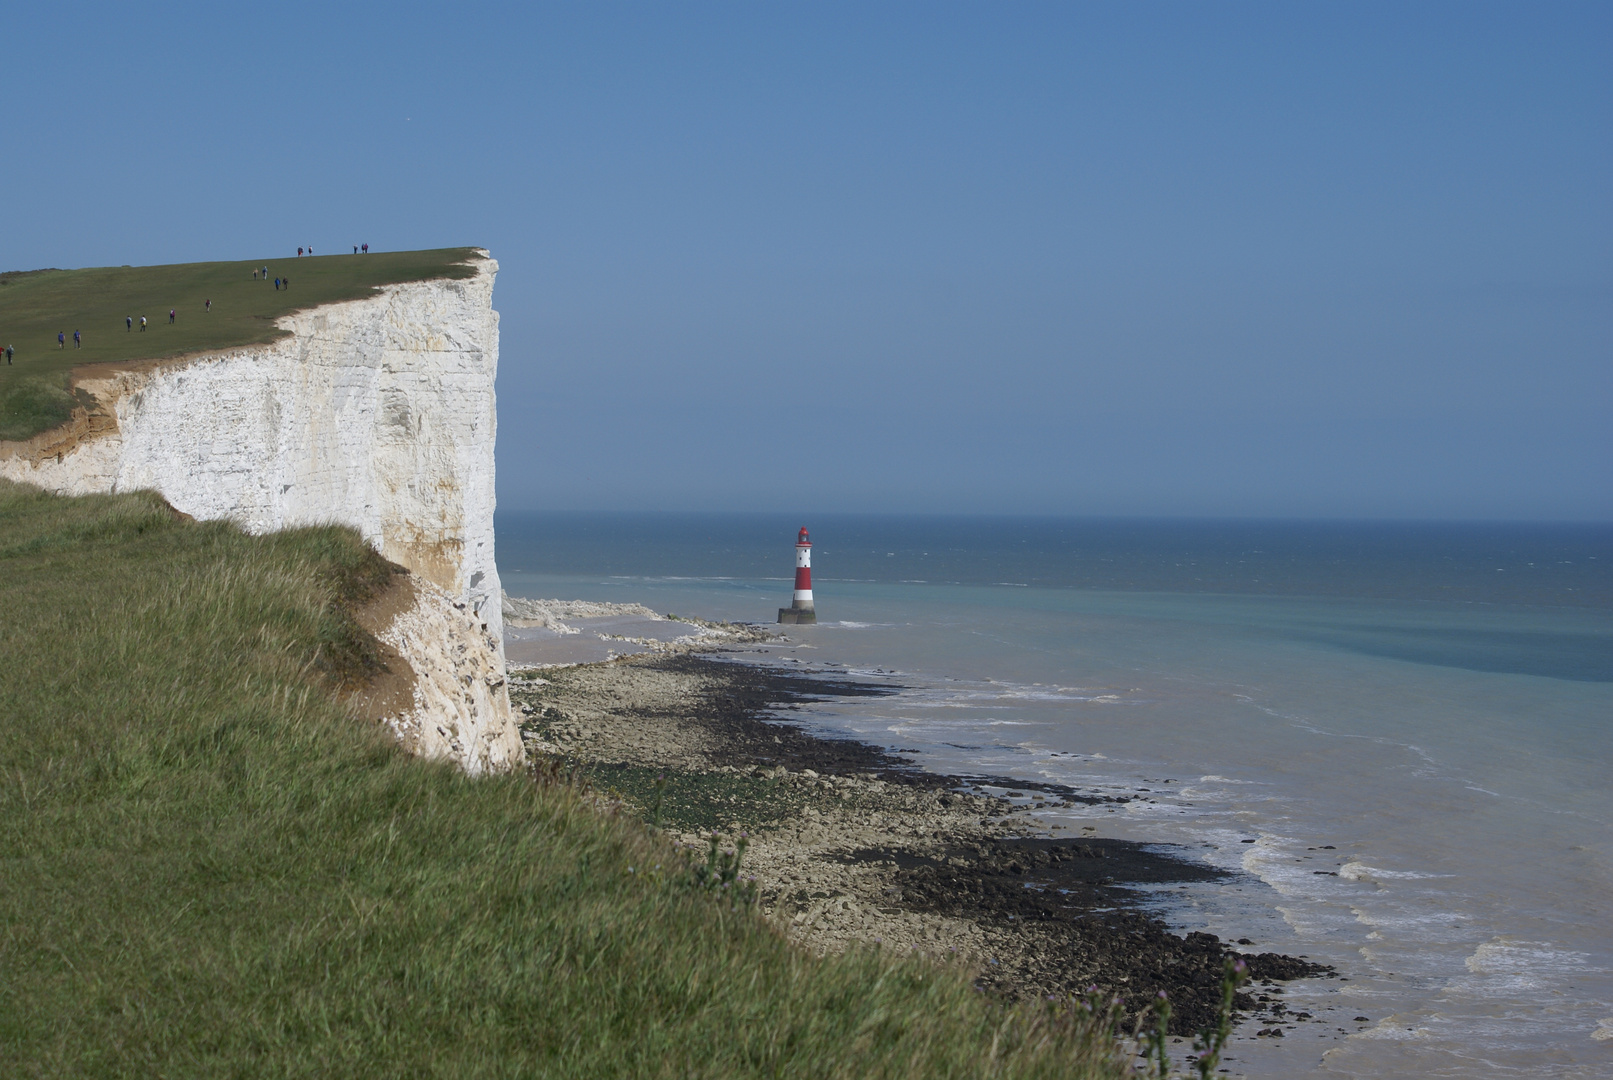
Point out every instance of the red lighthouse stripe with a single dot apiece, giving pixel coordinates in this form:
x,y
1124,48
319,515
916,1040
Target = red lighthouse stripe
x,y
803,579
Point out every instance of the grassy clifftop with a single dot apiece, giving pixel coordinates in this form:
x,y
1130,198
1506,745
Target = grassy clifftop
x,y
207,868
37,305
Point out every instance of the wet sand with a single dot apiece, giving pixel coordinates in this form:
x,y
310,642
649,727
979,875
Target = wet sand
x,y
850,843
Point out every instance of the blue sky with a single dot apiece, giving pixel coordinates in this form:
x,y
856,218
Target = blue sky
x,y
1236,259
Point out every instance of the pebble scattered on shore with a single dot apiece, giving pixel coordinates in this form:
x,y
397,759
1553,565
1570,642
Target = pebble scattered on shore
x,y
851,845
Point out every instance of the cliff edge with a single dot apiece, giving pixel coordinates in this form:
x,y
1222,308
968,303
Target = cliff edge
x,y
378,413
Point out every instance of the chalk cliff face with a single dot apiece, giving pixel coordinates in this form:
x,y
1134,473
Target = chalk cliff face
x,y
376,413
457,704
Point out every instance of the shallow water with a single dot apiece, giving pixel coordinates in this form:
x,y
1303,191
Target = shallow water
x,y
1416,788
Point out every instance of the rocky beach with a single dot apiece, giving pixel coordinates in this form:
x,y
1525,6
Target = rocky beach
x,y
850,844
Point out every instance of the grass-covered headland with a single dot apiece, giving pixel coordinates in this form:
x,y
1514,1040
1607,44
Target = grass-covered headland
x,y
102,303
208,868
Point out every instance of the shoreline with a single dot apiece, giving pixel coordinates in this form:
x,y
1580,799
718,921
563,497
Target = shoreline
x,y
850,843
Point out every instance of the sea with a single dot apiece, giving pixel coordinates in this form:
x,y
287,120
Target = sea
x,y
1399,736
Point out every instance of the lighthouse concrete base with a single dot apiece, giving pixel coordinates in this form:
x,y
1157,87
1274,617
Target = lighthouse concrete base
x,y
797,616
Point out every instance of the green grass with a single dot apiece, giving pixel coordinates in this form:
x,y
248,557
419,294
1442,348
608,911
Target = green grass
x,y
35,306
208,869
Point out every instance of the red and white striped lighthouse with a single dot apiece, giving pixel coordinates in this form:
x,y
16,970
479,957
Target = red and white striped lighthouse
x,y
800,609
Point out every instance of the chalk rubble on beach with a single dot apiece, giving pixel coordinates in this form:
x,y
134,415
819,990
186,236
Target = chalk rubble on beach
x,y
537,631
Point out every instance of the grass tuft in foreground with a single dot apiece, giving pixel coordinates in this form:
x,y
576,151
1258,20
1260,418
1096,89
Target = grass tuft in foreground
x,y
207,868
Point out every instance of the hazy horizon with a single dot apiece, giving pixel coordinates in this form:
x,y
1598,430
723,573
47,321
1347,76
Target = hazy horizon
x,y
1167,261
808,514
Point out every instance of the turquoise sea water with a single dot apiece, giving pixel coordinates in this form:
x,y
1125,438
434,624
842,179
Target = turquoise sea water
x,y
1402,734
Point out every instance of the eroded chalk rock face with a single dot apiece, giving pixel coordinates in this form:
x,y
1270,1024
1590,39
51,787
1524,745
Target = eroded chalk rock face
x,y
460,708
376,413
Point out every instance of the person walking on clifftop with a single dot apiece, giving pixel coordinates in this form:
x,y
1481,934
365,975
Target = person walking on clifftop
x,y
128,323
77,343
61,339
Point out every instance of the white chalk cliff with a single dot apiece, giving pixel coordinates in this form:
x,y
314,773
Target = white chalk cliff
x,y
457,705
376,413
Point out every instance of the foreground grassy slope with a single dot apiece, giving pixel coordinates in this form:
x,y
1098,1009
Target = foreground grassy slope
x,y
207,869
37,305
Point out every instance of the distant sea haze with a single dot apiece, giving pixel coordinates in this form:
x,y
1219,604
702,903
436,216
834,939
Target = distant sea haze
x,y
1533,564
1401,733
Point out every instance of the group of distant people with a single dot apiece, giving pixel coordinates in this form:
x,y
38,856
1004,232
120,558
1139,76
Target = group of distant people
x,y
279,282
128,325
259,273
357,248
